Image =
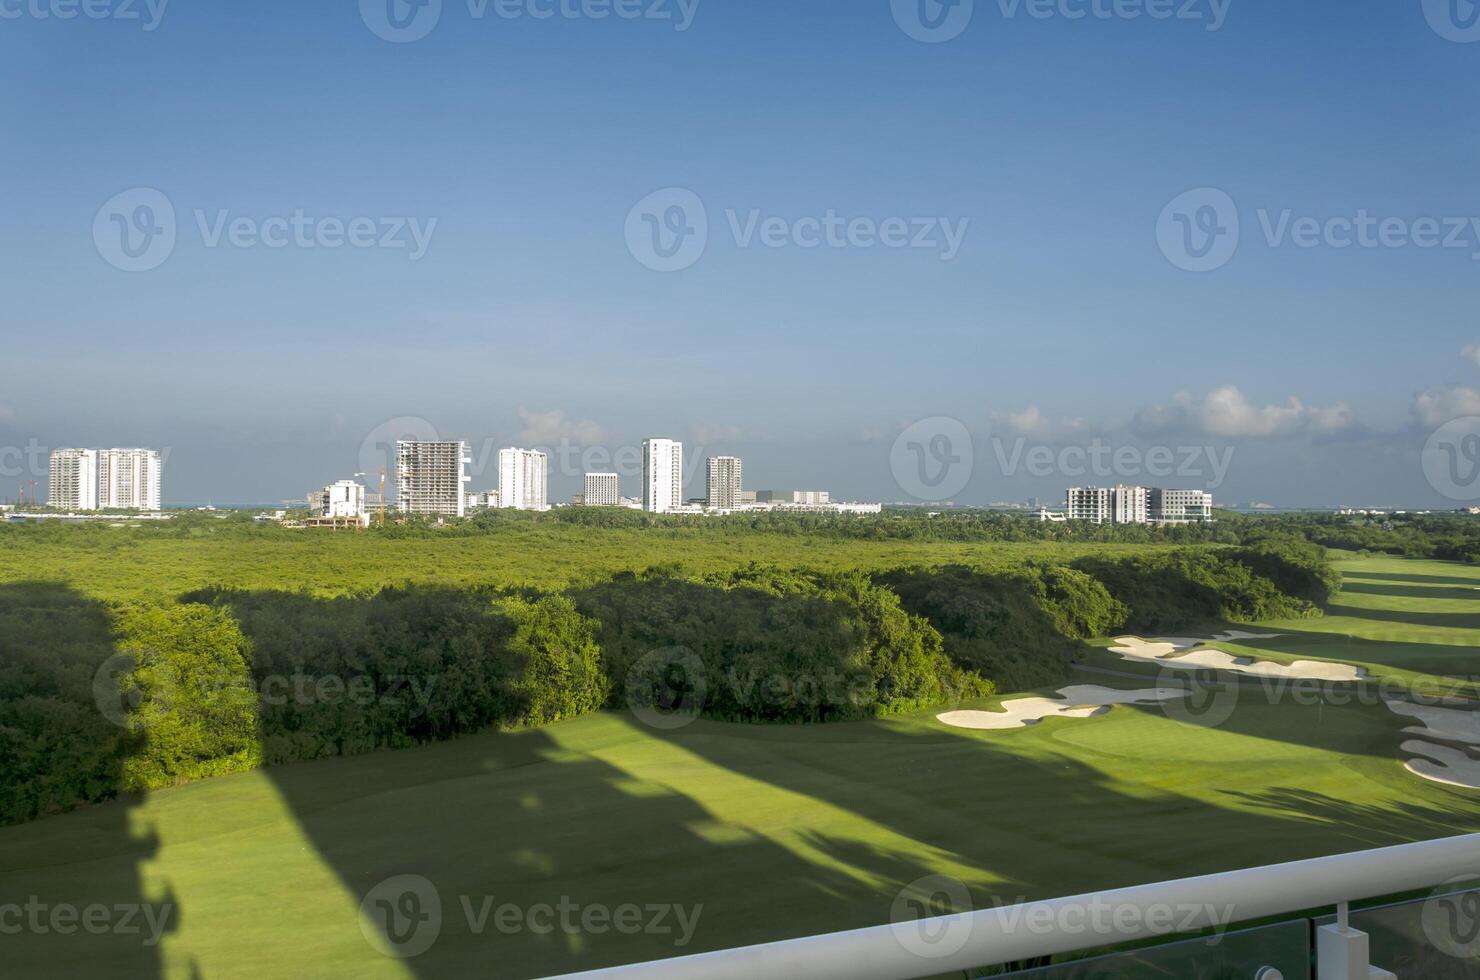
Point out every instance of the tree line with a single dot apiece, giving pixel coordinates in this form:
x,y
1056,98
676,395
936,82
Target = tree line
x,y
99,699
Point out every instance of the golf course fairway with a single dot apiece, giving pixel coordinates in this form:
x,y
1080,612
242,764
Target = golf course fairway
x,y
752,833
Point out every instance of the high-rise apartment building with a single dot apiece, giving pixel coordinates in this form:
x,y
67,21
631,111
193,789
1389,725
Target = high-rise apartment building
x,y
129,479
722,491
74,479
1129,505
662,475
521,479
1087,504
603,490
430,478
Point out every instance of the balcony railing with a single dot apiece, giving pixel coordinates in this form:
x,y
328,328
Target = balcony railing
x,y
1447,926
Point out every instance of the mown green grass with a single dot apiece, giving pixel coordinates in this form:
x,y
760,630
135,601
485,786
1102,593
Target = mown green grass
x,y
776,831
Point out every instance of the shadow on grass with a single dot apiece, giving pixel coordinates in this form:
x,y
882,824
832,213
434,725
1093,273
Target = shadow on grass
x,y
1449,592
73,901
1429,658
1412,577
1049,826
1409,617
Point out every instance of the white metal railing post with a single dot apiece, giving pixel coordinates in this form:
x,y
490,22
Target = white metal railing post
x,y
1342,953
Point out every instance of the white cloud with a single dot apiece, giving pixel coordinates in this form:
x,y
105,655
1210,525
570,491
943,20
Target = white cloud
x,y
1032,423
552,428
1471,353
1439,405
6,412
1228,413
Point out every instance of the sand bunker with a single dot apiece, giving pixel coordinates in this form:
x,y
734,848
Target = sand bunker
x,y
1161,653
1232,636
1451,766
1077,701
1441,763
1449,724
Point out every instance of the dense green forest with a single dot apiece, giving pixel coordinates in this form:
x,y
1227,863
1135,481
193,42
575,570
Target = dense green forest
x,y
115,679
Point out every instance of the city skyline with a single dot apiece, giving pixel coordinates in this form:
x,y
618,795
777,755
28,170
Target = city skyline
x,y
1324,354
1036,468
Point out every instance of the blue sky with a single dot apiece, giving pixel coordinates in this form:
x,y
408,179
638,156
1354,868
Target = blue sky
x,y
520,145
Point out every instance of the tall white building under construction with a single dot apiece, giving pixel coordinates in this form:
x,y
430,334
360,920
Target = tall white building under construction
x,y
74,480
662,475
431,478
129,479
522,476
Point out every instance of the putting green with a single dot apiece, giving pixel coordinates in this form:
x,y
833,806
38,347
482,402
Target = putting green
x,y
774,831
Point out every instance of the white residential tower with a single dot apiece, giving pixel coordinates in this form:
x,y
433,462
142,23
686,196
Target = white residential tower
x,y
662,475
74,479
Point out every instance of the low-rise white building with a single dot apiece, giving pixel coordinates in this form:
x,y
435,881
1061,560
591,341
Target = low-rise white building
x,y
341,502
482,500
1137,505
1181,506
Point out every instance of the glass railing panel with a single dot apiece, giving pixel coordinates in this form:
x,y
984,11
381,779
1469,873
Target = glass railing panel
x,y
1277,952
1435,938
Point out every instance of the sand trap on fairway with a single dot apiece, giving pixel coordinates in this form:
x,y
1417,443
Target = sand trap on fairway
x,y
1161,652
1450,724
1444,764
1441,763
1077,701
1232,636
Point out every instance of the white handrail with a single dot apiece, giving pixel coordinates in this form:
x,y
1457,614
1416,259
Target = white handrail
x,y
919,948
